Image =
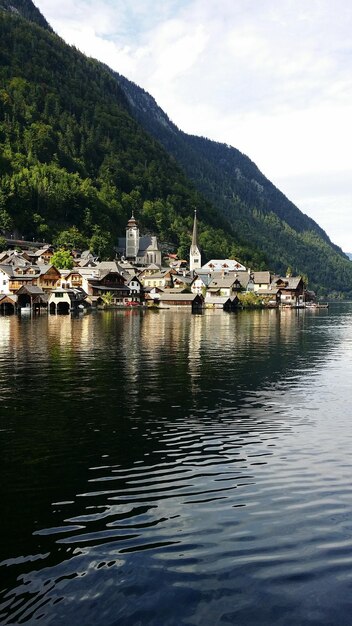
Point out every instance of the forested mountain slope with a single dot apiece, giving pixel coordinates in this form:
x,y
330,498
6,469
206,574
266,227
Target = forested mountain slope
x,y
81,146
72,155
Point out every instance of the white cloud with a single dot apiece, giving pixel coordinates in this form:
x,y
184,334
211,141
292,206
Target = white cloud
x,y
327,199
273,79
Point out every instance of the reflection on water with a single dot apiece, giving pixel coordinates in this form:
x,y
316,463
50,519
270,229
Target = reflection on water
x,y
164,468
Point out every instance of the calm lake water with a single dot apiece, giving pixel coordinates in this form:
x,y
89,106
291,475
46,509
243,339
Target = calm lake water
x,y
166,469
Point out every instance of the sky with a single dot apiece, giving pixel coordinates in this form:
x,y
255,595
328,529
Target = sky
x,y
272,78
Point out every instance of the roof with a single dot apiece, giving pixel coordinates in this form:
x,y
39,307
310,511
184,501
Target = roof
x,y
87,255
23,277
126,265
86,263
103,273
146,242
264,291
90,272
42,251
220,281
33,290
9,297
218,299
289,282
156,276
45,267
108,265
152,266
219,264
178,297
130,279
186,280
261,277
243,278
123,288
7,269
293,282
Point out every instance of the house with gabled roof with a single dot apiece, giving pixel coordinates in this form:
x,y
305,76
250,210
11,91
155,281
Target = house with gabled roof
x,y
199,285
159,279
109,281
223,284
71,279
43,256
224,303
6,272
290,290
191,301
18,280
49,277
64,300
31,296
8,303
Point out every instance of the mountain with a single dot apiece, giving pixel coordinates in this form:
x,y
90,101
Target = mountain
x,y
71,154
256,210
81,147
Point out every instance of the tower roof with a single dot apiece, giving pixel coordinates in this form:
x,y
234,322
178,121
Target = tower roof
x,y
194,244
132,221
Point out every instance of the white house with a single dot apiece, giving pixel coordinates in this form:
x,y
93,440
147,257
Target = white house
x,y
6,272
198,285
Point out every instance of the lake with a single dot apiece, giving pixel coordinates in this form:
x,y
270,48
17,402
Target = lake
x,y
163,468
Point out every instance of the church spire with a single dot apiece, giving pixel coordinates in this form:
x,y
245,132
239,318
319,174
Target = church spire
x,y
194,236
194,253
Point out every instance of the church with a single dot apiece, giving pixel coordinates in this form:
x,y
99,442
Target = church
x,y
138,250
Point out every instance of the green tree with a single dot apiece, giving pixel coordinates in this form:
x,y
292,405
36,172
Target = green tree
x,y
6,222
71,239
100,243
107,298
62,259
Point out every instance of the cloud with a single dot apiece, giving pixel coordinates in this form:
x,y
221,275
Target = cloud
x,y
327,199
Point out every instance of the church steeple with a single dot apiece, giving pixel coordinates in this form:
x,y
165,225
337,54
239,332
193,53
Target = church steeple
x,y
194,253
132,238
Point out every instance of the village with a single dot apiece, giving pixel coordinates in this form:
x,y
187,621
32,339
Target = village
x,y
139,277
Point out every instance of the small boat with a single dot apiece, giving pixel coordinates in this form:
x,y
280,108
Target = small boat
x,y
317,305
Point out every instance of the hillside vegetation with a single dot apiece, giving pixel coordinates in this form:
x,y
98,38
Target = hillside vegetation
x,y
71,155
